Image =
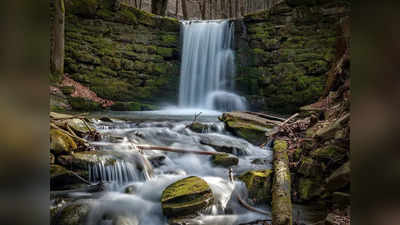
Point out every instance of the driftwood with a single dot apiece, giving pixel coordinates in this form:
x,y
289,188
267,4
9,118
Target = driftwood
x,y
278,129
281,199
266,116
169,149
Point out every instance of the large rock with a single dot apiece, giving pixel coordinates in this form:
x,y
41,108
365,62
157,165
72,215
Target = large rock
x,y
78,125
61,178
73,214
225,144
61,142
258,183
247,126
186,197
339,178
330,152
224,160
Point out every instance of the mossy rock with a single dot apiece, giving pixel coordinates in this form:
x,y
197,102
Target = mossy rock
x,y
308,188
189,196
61,142
309,167
330,152
131,106
258,183
63,179
79,126
198,127
82,160
339,178
73,214
67,90
224,160
83,104
252,133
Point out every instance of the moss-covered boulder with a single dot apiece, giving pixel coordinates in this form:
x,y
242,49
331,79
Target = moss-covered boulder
x,y
308,188
73,214
82,160
258,183
62,179
247,126
331,152
198,127
186,197
224,160
339,178
308,167
79,126
61,142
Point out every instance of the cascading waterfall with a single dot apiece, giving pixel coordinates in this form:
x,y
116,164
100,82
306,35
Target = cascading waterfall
x,y
208,66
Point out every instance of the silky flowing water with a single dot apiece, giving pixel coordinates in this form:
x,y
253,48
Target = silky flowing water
x,y
142,204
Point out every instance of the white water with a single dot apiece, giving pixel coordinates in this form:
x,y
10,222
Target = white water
x,y
208,66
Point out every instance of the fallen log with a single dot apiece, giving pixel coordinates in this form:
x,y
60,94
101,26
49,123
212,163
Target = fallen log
x,y
169,149
281,200
277,129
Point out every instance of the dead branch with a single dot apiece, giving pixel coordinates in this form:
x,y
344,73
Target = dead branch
x,y
251,208
266,116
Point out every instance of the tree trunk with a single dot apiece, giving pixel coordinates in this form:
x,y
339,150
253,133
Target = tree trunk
x,y
140,4
230,8
281,201
242,3
237,13
57,45
184,10
223,9
202,9
159,7
211,9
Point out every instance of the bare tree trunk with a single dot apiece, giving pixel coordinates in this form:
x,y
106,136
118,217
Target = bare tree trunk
x,y
57,47
184,10
216,11
223,9
140,4
242,8
237,13
230,8
202,10
159,7
211,8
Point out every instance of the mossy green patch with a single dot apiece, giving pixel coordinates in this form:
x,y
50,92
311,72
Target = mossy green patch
x,y
258,183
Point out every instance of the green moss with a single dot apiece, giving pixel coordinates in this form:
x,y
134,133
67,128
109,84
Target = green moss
x,y
82,7
258,183
330,152
61,142
252,133
82,104
67,90
131,106
280,145
165,52
224,160
169,40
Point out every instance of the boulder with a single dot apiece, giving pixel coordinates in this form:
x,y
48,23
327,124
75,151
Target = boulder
x,y
248,126
224,160
73,214
225,144
61,142
82,160
339,178
308,188
258,183
200,127
62,179
330,152
186,197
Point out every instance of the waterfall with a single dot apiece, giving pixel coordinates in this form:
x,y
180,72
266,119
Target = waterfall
x,y
208,66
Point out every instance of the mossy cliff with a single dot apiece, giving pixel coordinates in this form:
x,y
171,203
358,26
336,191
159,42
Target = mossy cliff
x,y
121,53
283,54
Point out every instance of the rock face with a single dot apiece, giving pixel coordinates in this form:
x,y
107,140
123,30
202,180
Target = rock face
x,y
61,142
186,197
122,54
258,183
283,54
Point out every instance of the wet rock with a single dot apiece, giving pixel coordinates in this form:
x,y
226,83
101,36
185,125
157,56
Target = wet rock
x,y
62,179
73,214
52,158
157,160
82,160
125,220
224,160
185,197
61,142
247,126
330,152
260,161
339,178
106,119
79,125
224,144
199,127
328,129
258,183
308,167
308,188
